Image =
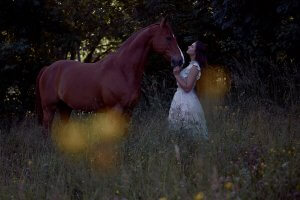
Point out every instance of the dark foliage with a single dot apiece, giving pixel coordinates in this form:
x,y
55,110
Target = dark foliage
x,y
34,33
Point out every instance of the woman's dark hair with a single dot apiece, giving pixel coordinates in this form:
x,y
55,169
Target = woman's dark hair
x,y
201,54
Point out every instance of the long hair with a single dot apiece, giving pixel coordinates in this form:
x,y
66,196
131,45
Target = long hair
x,y
200,52
202,60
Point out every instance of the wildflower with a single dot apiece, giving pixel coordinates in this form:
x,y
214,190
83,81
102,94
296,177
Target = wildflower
x,y
163,198
199,196
228,185
263,165
272,150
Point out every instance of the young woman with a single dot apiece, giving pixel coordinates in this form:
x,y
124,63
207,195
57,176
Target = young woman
x,y
186,111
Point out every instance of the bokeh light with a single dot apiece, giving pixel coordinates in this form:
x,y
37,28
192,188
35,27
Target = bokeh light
x,y
71,137
214,83
98,136
108,126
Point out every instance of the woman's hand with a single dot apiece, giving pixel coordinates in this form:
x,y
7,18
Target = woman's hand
x,y
176,71
187,84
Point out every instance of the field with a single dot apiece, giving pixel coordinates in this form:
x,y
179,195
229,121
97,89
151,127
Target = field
x,y
252,153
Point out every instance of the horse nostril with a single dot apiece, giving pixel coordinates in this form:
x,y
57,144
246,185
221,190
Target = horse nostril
x,y
173,63
176,62
180,62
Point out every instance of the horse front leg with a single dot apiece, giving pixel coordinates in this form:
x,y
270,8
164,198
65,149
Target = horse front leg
x,y
124,118
118,108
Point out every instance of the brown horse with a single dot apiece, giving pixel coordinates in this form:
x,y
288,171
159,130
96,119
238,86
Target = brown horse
x,y
111,83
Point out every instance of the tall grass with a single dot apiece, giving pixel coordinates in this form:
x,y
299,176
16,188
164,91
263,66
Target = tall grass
x,y
275,81
252,153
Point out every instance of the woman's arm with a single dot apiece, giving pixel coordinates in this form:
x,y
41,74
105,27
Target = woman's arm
x,y
188,83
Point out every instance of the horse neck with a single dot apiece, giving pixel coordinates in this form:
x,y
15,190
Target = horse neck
x,y
137,52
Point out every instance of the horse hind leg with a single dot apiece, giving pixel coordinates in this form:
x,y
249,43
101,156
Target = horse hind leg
x,y
65,112
48,116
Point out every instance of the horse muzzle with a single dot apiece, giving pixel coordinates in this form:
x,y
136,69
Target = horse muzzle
x,y
176,62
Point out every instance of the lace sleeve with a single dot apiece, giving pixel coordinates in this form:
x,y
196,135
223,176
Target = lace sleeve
x,y
198,67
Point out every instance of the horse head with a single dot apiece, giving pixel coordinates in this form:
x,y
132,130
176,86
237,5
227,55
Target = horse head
x,y
164,42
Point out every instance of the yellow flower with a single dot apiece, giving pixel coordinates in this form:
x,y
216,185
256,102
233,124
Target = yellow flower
x,y
199,196
163,198
263,165
228,185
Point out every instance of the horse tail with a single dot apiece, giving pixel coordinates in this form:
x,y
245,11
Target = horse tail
x,y
38,104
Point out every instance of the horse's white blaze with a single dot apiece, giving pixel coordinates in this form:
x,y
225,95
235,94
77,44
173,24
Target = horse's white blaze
x,y
181,54
180,51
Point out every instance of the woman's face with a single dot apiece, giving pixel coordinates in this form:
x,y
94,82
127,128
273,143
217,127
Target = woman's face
x,y
191,49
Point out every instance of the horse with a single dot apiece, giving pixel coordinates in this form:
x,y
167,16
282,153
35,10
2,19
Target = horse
x,y
114,82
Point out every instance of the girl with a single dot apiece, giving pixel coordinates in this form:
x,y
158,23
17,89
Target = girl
x,y
186,111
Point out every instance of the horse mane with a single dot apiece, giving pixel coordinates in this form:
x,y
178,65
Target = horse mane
x,y
132,37
126,42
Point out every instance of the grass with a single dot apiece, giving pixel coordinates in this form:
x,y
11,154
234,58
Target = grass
x,y
252,153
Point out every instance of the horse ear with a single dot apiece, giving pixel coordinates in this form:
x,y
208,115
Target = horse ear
x,y
163,22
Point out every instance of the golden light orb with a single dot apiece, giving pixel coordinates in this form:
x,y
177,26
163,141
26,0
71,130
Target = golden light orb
x,y
214,82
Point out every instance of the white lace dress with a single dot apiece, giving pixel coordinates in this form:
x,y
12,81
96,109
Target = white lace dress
x,y
186,111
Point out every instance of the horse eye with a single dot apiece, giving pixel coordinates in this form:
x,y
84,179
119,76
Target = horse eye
x,y
169,38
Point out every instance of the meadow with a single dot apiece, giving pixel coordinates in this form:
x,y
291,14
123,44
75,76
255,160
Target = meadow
x,y
252,153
